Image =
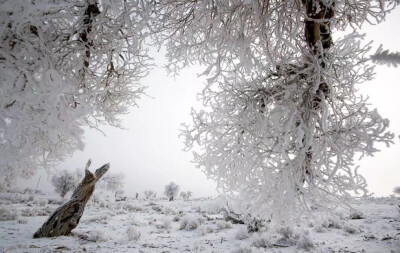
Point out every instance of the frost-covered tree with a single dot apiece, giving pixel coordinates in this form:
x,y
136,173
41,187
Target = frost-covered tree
x,y
112,182
396,190
171,191
283,119
186,195
183,195
149,194
65,181
64,65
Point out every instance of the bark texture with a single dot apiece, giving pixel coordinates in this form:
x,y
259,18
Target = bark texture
x,y
319,39
67,216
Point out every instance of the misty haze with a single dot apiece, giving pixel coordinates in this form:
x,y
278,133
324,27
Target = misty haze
x,y
199,126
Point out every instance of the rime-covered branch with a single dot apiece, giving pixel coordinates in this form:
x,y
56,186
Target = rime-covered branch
x,y
64,65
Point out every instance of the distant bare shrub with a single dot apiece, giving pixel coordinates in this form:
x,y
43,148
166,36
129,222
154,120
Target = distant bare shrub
x,y
203,229
7,214
97,236
261,241
132,208
221,225
101,218
242,233
186,195
288,236
111,187
157,208
66,181
22,221
319,228
334,222
149,194
356,215
305,241
176,218
165,224
242,249
351,229
191,222
40,202
35,211
168,210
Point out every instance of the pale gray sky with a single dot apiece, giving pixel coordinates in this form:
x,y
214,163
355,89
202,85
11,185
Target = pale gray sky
x,y
383,170
150,153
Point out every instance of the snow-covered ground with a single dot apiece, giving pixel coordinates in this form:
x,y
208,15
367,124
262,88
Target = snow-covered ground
x,y
157,225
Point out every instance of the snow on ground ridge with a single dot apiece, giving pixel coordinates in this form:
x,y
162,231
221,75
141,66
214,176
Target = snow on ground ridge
x,y
158,225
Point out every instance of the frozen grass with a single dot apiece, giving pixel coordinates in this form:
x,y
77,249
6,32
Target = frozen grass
x,y
205,229
191,222
242,233
242,249
356,215
261,240
221,225
351,229
182,226
97,236
133,234
305,241
164,224
8,214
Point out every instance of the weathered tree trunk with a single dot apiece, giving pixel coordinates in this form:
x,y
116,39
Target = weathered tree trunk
x,y
319,39
318,24
67,216
91,12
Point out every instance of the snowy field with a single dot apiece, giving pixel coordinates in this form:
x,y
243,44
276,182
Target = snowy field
x,y
157,225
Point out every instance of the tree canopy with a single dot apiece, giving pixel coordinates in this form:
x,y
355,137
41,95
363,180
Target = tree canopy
x,y
283,119
64,65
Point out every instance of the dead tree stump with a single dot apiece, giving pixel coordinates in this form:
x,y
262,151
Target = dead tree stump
x,y
67,216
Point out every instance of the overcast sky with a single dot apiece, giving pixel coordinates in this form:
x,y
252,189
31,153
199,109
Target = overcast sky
x,y
383,170
149,152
